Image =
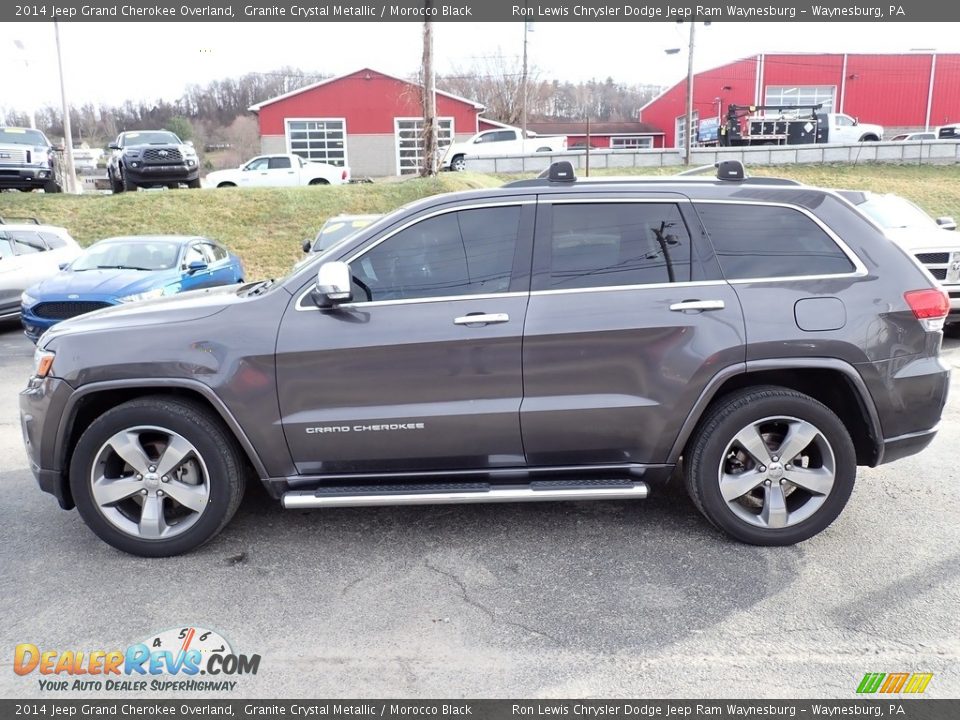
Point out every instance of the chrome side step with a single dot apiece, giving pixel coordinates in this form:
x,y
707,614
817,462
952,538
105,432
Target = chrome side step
x,y
462,493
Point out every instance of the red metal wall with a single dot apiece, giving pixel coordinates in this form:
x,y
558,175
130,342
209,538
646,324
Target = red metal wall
x,y
890,90
368,100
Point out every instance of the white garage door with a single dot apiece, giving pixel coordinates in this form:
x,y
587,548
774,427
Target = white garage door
x,y
409,142
318,139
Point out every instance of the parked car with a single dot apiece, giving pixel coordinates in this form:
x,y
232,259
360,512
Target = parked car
x,y
931,241
336,229
28,161
553,339
121,270
29,252
278,171
152,158
914,136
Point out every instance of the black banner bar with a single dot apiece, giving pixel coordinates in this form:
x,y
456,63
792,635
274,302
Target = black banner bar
x,y
480,10
894,708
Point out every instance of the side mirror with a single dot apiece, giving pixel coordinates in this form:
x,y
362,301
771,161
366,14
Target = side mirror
x,y
333,284
947,223
307,244
113,146
196,266
188,143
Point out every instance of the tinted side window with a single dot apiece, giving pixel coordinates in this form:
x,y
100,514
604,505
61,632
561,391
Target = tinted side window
x,y
215,252
194,254
279,163
459,253
53,240
759,241
25,243
610,244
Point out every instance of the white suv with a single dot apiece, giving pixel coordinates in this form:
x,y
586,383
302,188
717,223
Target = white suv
x,y
929,240
29,252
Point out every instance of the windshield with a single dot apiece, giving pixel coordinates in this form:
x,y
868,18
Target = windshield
x,y
335,230
893,212
23,136
149,138
153,255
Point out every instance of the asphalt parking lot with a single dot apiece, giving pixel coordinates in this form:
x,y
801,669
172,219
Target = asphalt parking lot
x,y
626,599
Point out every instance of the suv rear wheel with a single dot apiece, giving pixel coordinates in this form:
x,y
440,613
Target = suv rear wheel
x,y
770,466
156,477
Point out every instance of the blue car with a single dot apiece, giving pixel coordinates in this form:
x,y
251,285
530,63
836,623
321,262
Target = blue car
x,y
126,269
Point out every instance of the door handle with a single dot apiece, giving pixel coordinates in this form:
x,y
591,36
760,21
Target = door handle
x,y
481,319
697,305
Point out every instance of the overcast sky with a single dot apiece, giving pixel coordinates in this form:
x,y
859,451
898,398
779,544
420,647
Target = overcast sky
x,y
113,62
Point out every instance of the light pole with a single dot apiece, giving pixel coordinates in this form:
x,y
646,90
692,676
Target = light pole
x,y
71,175
688,116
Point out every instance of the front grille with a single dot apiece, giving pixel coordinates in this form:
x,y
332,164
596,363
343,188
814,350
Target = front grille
x,y
67,309
163,155
937,258
14,156
938,273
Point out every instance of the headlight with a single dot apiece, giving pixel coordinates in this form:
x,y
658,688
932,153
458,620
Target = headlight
x,y
27,300
42,362
148,295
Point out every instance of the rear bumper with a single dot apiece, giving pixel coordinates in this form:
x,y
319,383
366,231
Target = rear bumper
x,y
910,394
906,445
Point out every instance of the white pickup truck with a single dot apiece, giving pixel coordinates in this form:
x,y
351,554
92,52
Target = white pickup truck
x,y
500,142
278,171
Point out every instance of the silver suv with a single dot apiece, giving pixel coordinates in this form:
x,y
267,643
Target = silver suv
x,y
553,339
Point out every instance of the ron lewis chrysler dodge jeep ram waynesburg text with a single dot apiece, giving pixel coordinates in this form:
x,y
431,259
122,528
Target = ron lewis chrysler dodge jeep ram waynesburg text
x,y
552,339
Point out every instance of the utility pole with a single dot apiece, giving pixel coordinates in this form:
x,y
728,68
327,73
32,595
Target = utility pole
x,y
71,175
523,101
688,140
430,134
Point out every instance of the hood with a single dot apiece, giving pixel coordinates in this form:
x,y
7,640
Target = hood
x,y
182,307
915,239
115,283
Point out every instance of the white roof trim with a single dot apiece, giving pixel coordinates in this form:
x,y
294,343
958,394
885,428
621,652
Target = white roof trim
x,y
497,123
307,88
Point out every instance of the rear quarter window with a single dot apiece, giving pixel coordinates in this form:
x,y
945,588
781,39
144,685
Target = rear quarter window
x,y
763,241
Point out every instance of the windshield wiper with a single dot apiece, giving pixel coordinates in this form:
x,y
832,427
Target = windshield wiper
x,y
260,287
121,267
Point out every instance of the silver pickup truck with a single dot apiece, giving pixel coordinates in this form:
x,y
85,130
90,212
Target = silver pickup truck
x,y
28,161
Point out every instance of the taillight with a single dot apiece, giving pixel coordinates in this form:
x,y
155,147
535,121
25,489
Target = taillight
x,y
344,175
930,307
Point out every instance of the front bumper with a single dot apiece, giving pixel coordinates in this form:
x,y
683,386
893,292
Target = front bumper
x,y
162,173
18,177
42,405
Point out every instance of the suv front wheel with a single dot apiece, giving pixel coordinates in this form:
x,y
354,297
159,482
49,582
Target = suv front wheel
x,y
156,476
770,466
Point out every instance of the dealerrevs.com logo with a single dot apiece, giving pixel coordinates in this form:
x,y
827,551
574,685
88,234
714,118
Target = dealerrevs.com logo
x,y
182,659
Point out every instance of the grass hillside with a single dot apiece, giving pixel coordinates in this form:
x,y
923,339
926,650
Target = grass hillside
x,y
267,226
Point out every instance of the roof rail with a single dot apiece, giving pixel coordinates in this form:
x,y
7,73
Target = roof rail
x,y
725,171
24,218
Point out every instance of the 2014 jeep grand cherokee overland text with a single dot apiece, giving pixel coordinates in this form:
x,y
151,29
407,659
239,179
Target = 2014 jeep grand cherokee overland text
x,y
553,339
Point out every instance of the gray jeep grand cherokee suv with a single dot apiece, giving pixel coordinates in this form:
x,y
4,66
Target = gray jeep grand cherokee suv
x,y
553,339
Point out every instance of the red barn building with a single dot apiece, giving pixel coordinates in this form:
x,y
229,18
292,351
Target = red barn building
x,y
367,120
903,93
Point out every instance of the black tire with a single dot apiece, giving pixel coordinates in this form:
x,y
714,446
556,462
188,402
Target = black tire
x,y
226,185
115,185
319,181
458,163
52,186
715,436
215,447
543,149
194,184
869,138
128,184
